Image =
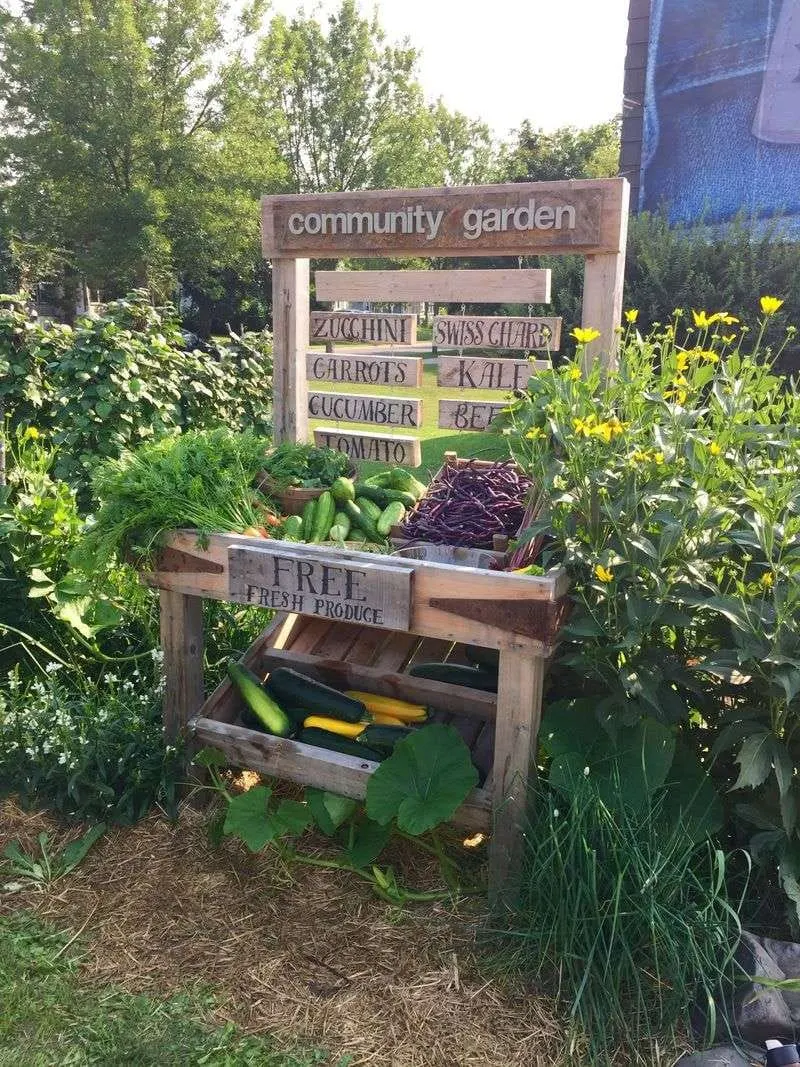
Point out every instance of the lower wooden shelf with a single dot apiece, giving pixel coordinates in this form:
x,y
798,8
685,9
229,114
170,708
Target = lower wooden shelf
x,y
352,657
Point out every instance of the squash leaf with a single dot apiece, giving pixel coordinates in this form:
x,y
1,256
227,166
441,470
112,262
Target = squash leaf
x,y
423,782
369,841
329,809
250,819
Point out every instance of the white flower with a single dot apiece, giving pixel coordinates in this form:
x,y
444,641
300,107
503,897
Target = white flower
x,y
52,667
62,759
556,813
585,772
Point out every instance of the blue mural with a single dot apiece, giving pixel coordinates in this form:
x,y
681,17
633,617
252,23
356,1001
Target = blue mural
x,y
722,110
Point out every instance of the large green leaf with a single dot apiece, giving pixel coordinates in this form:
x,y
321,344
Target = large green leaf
x,y
250,819
329,809
421,784
755,761
369,841
690,798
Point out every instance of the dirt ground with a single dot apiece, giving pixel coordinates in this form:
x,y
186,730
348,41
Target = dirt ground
x,y
307,954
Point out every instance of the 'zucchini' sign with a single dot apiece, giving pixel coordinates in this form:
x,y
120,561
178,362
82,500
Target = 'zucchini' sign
x,y
331,587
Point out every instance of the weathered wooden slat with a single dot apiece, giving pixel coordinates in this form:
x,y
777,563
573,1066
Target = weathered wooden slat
x,y
468,415
478,372
468,286
308,765
517,218
182,644
361,446
363,328
498,331
541,620
290,281
365,368
403,412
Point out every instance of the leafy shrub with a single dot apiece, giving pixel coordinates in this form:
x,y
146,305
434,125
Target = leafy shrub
x,y
92,751
624,918
675,504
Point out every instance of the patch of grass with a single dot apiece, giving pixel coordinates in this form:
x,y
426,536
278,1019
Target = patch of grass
x,y
49,1019
435,441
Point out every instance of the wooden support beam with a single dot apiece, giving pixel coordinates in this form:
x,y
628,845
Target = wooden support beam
x,y
182,644
603,280
519,712
290,282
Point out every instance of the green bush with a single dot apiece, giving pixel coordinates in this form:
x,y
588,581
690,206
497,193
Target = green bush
x,y
674,493
92,751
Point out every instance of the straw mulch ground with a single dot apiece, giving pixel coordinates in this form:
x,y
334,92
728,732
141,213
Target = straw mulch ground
x,y
306,954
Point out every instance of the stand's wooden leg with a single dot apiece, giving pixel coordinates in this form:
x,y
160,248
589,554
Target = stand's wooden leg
x,y
182,644
519,711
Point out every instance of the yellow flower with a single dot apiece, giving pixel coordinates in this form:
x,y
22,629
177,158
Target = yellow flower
x,y
585,337
677,394
632,315
714,449
535,433
584,427
682,361
770,304
574,374
729,320
767,580
729,339
708,356
603,573
32,433
658,458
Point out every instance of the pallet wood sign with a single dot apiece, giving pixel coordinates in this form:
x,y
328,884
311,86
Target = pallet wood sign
x,y
515,218
288,579
528,334
363,369
466,372
360,446
405,412
466,286
467,414
369,329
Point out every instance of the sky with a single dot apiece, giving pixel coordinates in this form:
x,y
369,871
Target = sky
x,y
554,62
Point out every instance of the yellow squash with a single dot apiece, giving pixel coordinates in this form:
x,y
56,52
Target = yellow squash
x,y
334,726
398,709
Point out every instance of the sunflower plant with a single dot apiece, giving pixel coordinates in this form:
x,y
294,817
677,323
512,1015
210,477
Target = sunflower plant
x,y
674,503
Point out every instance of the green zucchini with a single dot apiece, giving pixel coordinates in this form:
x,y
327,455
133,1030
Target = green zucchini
x,y
488,658
265,708
312,735
383,738
308,520
293,528
382,497
457,674
294,690
391,515
343,489
323,517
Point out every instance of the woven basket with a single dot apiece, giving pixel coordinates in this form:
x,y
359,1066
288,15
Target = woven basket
x,y
293,499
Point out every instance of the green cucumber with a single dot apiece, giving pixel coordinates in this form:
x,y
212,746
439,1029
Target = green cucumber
x,y
384,479
488,658
265,708
312,735
340,528
361,517
343,489
457,674
391,515
293,528
402,479
382,497
323,517
294,690
308,520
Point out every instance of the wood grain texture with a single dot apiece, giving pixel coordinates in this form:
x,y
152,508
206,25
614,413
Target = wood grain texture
x,y
469,286
308,765
431,580
365,369
290,284
468,414
181,624
497,331
515,218
603,281
479,372
402,412
288,578
361,446
363,328
519,711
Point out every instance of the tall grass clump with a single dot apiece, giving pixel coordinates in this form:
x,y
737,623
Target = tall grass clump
x,y
625,920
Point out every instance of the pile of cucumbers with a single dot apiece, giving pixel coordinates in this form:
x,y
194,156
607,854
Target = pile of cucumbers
x,y
351,510
290,704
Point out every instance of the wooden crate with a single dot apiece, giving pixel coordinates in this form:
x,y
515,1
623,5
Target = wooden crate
x,y
349,657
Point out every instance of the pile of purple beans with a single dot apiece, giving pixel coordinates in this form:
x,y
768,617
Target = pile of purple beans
x,y
466,506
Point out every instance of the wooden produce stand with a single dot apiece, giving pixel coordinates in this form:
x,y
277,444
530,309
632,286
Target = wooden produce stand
x,y
360,620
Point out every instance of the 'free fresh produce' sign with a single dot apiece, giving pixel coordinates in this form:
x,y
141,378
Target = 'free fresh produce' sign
x,y
574,216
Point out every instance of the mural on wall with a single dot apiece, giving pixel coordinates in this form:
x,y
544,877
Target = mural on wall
x,y
722,110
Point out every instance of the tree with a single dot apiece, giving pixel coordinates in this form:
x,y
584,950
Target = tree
x,y
535,156
349,111
116,158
